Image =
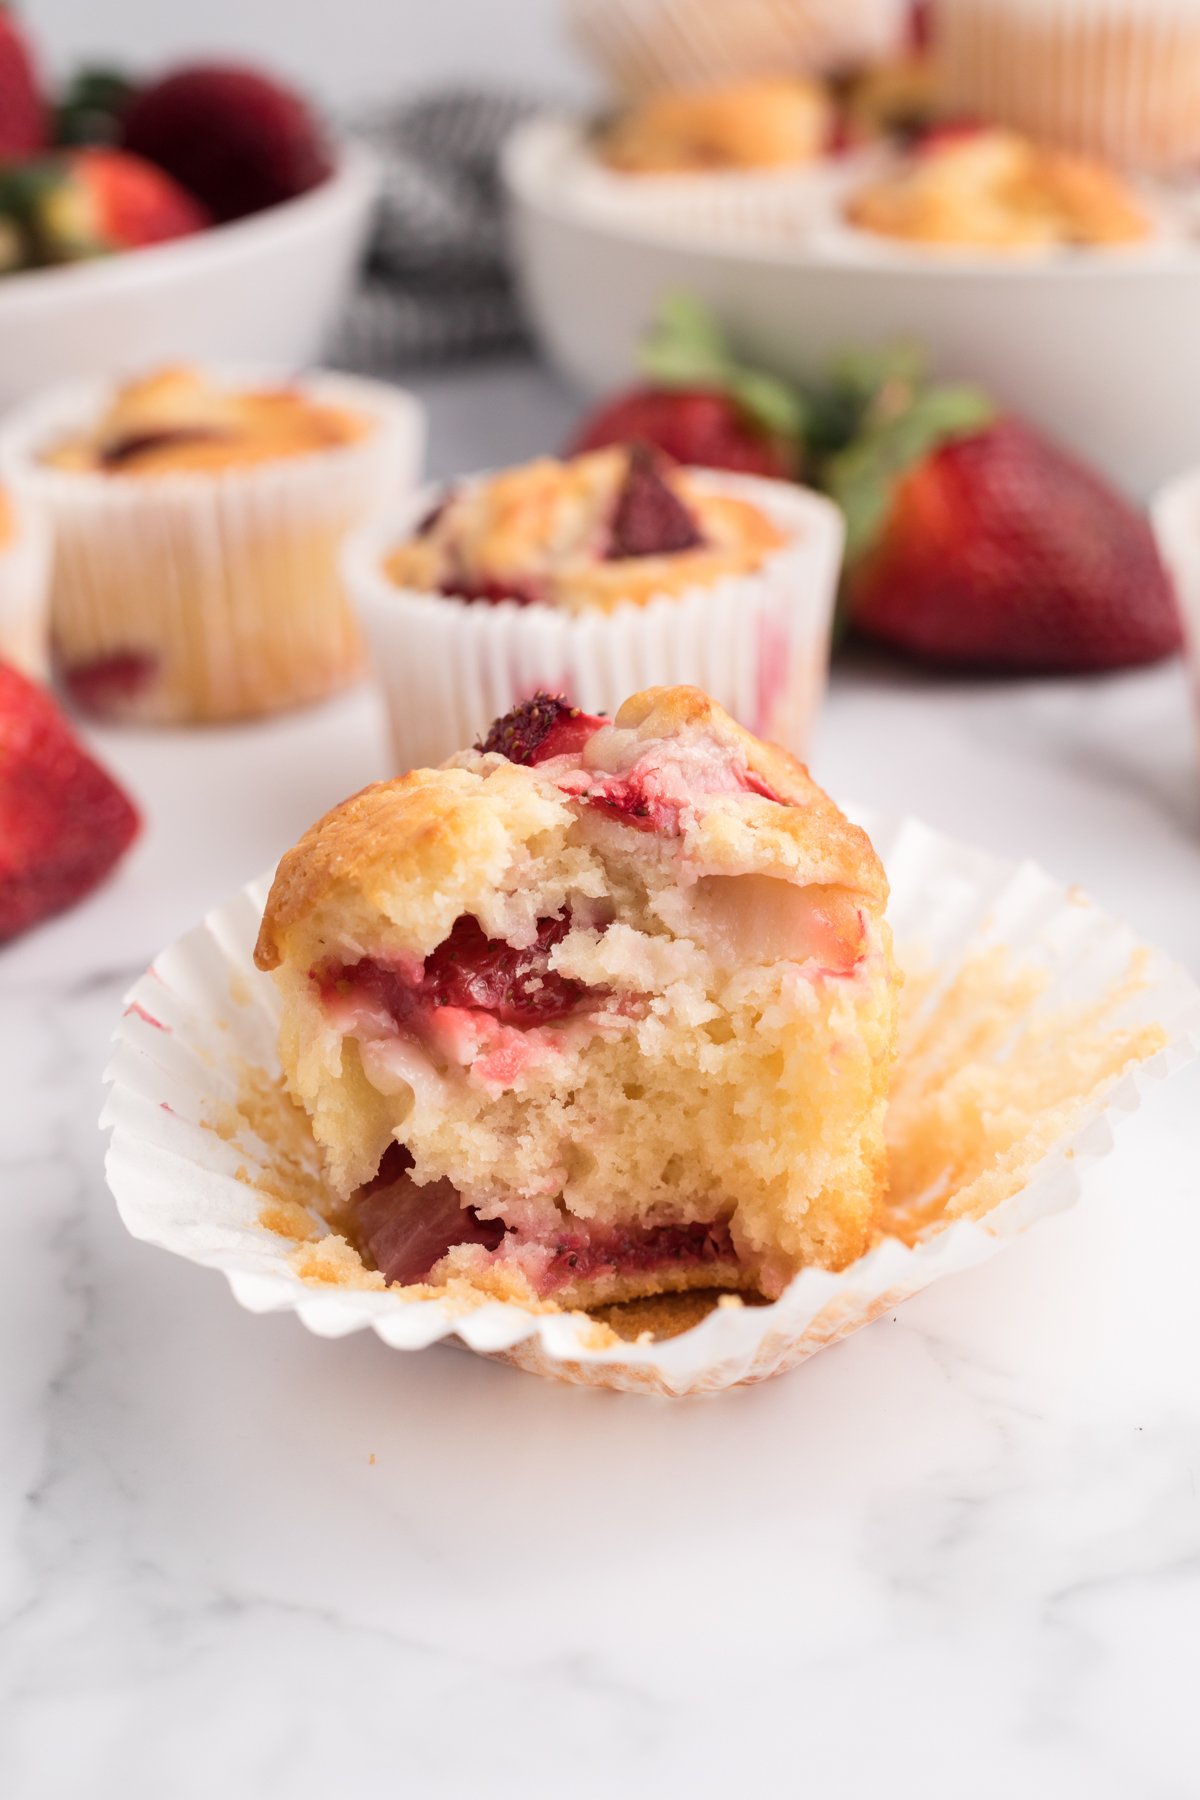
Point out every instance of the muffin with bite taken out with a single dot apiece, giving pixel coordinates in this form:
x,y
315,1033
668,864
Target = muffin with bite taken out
x,y
601,1009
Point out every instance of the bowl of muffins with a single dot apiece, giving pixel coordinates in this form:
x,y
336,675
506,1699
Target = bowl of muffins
x,y
933,191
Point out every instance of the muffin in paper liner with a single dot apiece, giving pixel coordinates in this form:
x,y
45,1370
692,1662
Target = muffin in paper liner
x,y
24,587
197,597
802,212
758,643
646,45
1032,1024
1114,78
1176,517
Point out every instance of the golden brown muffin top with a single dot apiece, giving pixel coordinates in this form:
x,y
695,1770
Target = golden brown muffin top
x,y
612,526
771,123
179,421
999,190
411,849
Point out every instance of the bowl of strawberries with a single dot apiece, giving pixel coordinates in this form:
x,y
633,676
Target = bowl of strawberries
x,y
201,214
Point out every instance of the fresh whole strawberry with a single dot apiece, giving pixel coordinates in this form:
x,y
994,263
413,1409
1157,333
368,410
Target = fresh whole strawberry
x,y
700,406
85,203
702,427
63,821
976,543
23,117
238,140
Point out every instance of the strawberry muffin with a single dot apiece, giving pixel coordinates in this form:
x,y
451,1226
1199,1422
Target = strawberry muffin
x,y
588,575
197,524
996,190
647,46
775,123
24,582
598,1010
1110,78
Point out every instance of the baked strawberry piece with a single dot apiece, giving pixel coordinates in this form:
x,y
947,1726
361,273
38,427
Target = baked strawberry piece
x,y
64,822
238,140
598,1010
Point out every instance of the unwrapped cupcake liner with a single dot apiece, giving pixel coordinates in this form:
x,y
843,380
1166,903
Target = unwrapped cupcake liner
x,y
643,46
758,643
1176,515
1113,78
25,592
205,596
1019,988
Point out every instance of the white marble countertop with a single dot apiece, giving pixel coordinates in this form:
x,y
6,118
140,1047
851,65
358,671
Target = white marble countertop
x,y
958,1555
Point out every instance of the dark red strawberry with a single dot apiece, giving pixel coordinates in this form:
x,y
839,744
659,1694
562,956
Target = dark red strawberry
x,y
650,519
23,116
702,427
702,407
63,821
238,140
470,970
546,726
406,1230
975,542
86,203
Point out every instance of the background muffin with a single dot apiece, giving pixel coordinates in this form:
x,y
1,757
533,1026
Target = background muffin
x,y
591,578
197,525
24,587
1115,78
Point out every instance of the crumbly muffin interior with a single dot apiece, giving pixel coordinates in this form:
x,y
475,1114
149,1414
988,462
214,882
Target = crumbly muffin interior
x,y
594,1038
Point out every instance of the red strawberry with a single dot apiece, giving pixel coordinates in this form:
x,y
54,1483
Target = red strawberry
x,y
63,821
86,203
702,427
237,139
545,726
650,518
975,542
23,117
703,407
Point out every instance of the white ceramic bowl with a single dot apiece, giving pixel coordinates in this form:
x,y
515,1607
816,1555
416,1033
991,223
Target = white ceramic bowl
x,y
1097,347
1176,514
263,289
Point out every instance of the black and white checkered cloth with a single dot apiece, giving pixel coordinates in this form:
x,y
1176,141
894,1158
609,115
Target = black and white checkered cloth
x,y
437,282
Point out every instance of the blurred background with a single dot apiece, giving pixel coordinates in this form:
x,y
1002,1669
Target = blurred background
x,y
357,51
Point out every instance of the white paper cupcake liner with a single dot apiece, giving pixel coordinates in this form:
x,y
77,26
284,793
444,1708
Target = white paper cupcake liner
x,y
1115,78
758,643
801,213
645,45
1176,515
203,1021
750,208
217,595
25,592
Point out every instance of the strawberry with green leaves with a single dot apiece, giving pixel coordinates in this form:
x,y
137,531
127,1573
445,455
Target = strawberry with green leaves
x,y
91,202
700,406
975,542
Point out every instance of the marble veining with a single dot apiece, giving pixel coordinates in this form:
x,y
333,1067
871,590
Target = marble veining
x,y
958,1555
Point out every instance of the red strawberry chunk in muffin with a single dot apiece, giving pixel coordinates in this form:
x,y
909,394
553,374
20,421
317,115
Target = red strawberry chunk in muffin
x,y
64,822
471,971
650,520
540,728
